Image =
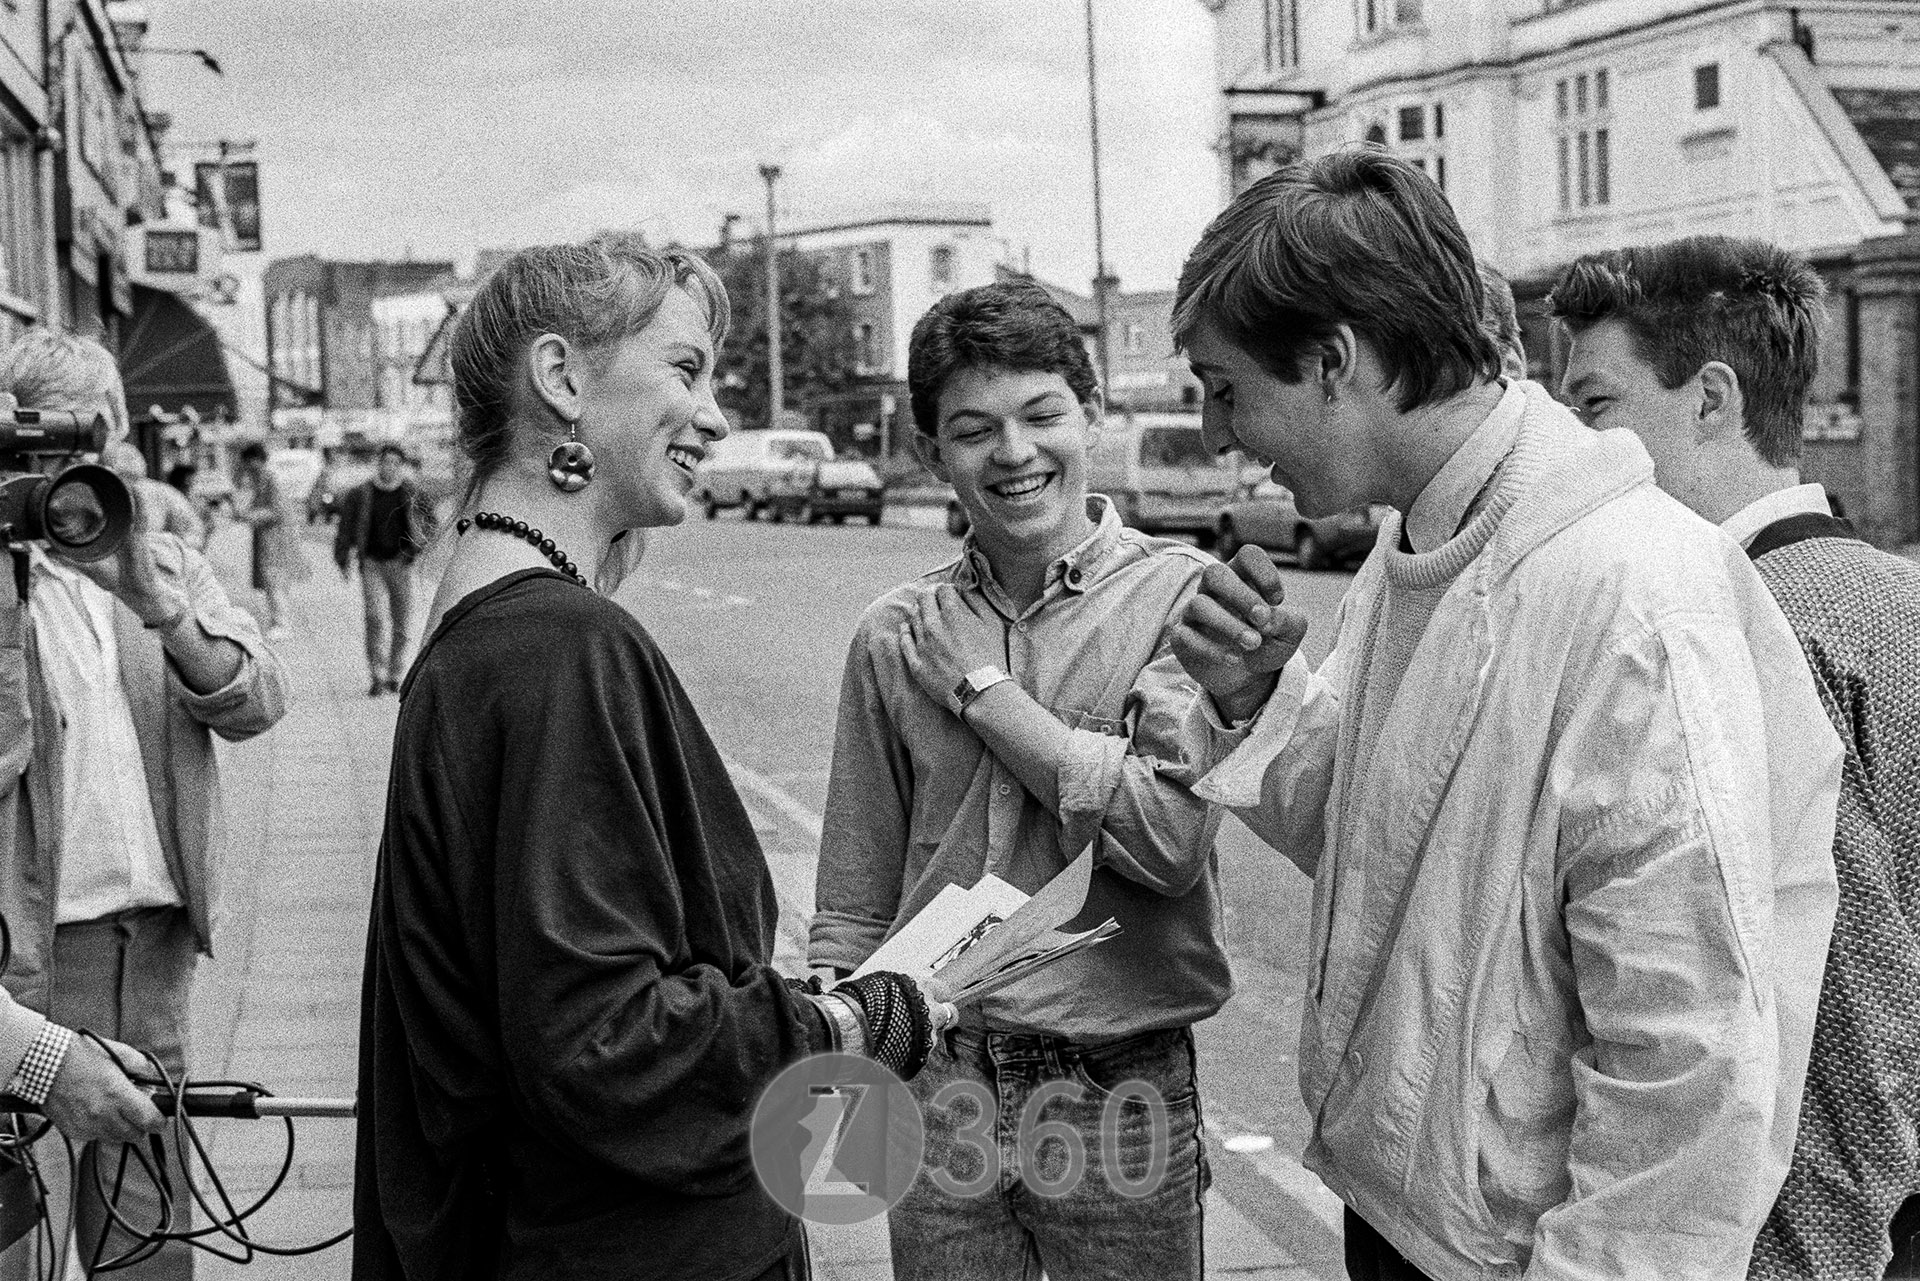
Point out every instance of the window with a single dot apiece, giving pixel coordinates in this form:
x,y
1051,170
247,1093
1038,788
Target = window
x,y
941,266
20,241
1282,34
1583,158
1134,336
1377,16
862,271
1706,87
1419,134
865,352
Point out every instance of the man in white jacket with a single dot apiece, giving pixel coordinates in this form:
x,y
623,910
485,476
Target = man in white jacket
x,y
1564,784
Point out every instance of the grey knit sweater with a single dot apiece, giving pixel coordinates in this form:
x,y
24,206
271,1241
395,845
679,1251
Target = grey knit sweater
x,y
1857,614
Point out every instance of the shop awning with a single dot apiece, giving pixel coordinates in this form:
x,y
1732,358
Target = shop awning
x,y
171,361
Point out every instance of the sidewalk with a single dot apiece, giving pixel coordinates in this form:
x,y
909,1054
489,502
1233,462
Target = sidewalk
x,y
279,1004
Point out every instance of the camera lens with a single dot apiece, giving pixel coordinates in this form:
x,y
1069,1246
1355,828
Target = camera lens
x,y
75,515
87,512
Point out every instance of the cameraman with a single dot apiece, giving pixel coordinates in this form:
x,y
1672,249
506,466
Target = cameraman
x,y
129,666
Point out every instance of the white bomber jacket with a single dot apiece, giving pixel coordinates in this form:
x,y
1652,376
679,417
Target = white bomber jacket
x,y
1576,1049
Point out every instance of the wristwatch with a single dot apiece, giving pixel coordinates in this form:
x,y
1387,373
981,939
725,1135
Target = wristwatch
x,y
973,685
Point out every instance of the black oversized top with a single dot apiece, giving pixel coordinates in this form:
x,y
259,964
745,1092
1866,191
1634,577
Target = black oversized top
x,y
568,1014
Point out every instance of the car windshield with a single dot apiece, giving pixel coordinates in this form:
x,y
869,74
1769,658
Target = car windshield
x,y
802,449
1174,447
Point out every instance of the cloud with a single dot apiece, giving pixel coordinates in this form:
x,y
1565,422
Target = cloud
x,y
439,126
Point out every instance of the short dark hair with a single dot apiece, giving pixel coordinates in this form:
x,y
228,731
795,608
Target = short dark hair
x,y
1010,324
389,447
253,452
1751,305
1355,237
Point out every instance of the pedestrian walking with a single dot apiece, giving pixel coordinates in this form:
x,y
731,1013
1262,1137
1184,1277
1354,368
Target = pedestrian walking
x,y
1002,714
133,664
1564,783
1704,348
279,560
384,524
568,1010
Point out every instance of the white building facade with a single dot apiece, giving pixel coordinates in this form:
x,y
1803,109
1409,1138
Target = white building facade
x,y
890,263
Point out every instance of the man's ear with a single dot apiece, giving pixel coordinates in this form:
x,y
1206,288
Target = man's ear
x,y
553,369
1339,354
1722,413
927,450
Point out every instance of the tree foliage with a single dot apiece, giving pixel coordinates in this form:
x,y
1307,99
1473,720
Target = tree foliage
x,y
816,334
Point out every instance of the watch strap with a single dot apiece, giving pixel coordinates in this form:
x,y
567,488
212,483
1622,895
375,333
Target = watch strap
x,y
973,685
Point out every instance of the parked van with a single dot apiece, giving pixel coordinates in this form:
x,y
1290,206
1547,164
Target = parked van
x,y
1160,475
742,470
1157,471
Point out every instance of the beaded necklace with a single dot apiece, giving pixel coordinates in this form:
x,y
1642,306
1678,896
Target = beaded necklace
x,y
521,530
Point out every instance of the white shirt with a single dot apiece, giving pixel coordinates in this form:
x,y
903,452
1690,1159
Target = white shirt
x,y
1444,504
1796,500
111,859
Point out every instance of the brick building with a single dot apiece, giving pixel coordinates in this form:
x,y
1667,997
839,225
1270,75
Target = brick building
x,y
1557,127
324,347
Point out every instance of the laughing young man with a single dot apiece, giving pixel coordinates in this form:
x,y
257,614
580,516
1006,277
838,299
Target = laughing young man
x,y
1705,348
1000,715
1564,784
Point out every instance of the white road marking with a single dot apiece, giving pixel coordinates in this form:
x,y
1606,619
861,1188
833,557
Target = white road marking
x,y
705,594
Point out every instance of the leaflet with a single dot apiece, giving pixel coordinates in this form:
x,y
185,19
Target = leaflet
x,y
979,940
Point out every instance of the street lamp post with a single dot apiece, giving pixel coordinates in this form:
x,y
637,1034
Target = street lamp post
x,y
1099,222
776,400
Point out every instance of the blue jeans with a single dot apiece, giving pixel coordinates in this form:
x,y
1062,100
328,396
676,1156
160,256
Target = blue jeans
x,y
1081,1159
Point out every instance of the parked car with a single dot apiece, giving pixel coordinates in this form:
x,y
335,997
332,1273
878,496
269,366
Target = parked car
x,y
742,470
1160,474
1265,516
837,488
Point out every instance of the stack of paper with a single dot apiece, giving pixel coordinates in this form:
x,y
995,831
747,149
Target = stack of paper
x,y
977,941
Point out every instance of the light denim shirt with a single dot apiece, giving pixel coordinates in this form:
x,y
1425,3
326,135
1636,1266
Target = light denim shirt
x,y
917,802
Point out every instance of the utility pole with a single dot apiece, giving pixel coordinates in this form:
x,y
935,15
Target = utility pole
x,y
776,401
1099,222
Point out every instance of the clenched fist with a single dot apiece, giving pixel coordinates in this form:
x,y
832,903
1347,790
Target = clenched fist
x,y
1238,632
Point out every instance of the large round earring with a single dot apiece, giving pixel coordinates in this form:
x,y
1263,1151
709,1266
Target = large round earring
x,y
570,466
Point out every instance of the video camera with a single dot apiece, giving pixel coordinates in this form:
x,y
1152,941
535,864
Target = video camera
x,y
83,510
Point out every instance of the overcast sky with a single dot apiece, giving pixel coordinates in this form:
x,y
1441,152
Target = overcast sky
x,y
436,126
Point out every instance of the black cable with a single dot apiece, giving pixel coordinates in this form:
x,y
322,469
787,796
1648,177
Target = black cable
x,y
225,1236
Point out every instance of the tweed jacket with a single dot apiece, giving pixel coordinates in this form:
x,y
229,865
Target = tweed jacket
x,y
175,728
1566,951
1856,611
